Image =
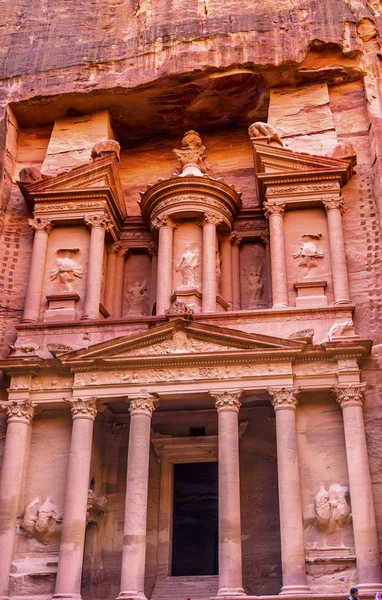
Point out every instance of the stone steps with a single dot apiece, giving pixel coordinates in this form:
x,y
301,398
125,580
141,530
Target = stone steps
x,y
201,587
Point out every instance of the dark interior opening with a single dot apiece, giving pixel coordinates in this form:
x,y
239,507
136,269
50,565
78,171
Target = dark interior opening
x,y
197,431
195,519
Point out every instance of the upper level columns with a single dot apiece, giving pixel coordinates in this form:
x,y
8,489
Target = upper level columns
x,y
337,250
209,263
134,540
284,401
98,226
165,256
236,297
230,558
42,227
226,268
68,582
351,398
274,212
20,416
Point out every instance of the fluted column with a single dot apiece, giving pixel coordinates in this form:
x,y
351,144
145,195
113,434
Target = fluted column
x,y
98,227
20,416
226,269
165,256
209,263
110,277
70,560
236,295
284,402
369,574
42,226
134,539
230,559
334,209
119,281
274,212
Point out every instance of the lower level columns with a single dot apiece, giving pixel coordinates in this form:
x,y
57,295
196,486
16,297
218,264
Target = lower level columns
x,y
70,560
284,401
19,418
134,539
369,572
230,559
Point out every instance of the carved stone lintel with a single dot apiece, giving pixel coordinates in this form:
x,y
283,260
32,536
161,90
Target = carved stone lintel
x,y
274,208
98,221
41,224
284,398
105,148
352,394
141,405
227,401
83,408
19,412
333,204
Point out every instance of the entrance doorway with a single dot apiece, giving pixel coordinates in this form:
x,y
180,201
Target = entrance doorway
x,y
195,519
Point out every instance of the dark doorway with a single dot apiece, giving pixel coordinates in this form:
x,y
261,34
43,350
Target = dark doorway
x,y
195,519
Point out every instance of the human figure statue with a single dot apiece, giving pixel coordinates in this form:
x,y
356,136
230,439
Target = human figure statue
x,y
137,294
254,283
187,267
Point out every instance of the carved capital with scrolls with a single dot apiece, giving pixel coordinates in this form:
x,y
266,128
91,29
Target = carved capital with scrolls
x,y
41,224
19,412
152,249
227,239
350,395
334,204
209,219
236,239
284,398
141,405
98,221
227,401
163,221
118,249
83,408
274,208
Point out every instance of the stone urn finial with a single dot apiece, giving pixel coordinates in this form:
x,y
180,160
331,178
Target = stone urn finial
x,y
191,155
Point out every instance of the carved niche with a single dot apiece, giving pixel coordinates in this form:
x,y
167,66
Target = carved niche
x,y
253,275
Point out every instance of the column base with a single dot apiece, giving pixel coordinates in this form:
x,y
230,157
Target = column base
x,y
224,592
67,596
280,305
368,588
295,589
131,596
342,301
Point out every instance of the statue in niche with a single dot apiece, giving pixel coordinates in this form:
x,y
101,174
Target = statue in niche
x,y
308,251
254,284
66,270
137,296
40,522
331,508
188,268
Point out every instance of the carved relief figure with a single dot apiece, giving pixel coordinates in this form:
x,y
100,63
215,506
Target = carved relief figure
x,y
66,270
339,330
188,268
308,251
41,522
218,269
137,296
331,507
253,283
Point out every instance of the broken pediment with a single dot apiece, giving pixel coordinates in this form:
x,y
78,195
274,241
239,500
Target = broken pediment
x,y
96,180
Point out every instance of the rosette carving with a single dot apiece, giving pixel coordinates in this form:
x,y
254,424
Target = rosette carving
x,y
225,401
350,395
284,398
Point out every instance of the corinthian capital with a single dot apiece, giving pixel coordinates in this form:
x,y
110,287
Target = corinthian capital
x,y
118,249
284,398
163,221
274,208
141,405
350,395
41,224
19,412
98,221
210,218
227,400
333,204
83,408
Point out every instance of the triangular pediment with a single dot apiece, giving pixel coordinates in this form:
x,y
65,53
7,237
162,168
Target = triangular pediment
x,y
181,338
101,174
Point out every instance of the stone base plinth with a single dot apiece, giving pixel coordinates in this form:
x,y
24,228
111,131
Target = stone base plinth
x,y
62,307
310,294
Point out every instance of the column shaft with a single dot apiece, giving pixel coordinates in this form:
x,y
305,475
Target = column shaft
x,y
279,272
209,266
70,561
42,227
95,264
154,275
236,295
362,505
226,268
134,540
164,278
284,401
337,251
110,279
119,281
230,559
19,418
